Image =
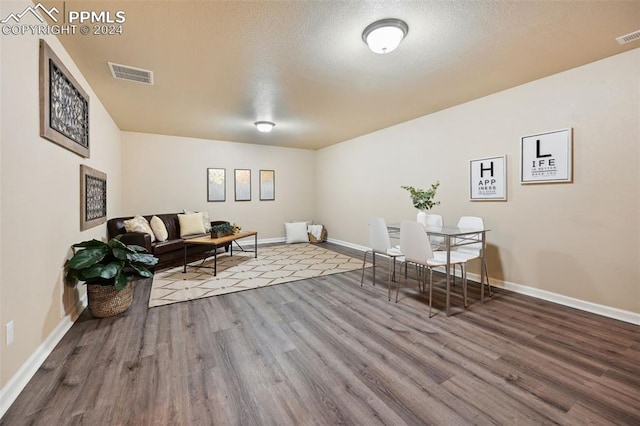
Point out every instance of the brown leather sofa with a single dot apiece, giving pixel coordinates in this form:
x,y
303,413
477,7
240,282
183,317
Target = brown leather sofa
x,y
170,252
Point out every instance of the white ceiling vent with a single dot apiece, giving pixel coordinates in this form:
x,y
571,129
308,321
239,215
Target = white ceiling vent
x,y
629,37
124,72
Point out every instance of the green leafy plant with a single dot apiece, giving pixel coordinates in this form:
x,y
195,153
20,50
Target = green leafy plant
x,y
423,199
111,263
222,228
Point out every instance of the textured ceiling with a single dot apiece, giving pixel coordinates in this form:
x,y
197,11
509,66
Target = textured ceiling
x,y
221,65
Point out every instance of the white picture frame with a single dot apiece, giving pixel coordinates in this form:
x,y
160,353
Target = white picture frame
x,y
547,157
242,184
267,185
216,185
488,179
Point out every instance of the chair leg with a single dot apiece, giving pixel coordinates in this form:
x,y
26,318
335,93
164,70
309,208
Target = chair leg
x,y
430,289
373,253
486,273
463,271
397,290
391,259
398,281
393,274
453,277
364,262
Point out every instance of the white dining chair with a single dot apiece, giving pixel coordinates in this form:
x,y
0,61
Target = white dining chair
x,y
416,247
380,246
435,221
474,250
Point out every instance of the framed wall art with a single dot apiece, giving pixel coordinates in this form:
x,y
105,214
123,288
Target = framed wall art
x,y
487,179
216,185
93,197
64,105
267,185
242,184
547,157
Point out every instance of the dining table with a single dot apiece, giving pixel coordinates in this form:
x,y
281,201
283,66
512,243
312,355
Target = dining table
x,y
453,237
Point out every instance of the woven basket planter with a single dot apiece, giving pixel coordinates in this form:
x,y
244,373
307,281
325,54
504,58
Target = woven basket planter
x,y
105,301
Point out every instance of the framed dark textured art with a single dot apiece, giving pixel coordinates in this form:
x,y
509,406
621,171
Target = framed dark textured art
x,y
93,197
64,105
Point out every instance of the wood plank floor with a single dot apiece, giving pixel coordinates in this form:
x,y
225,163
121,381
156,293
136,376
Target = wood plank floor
x,y
326,351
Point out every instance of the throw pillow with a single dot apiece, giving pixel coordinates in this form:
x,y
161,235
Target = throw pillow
x,y
190,224
206,222
205,219
139,224
296,232
159,229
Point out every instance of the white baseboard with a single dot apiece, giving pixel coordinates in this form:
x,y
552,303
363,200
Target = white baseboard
x,y
19,380
271,240
583,305
347,244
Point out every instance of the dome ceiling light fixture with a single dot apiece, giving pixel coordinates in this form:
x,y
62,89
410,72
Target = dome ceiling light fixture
x,y
264,126
385,35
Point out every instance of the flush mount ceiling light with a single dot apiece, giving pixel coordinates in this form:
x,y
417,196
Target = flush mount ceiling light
x,y
264,126
385,35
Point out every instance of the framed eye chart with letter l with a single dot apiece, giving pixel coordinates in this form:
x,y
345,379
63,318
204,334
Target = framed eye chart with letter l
x,y
547,157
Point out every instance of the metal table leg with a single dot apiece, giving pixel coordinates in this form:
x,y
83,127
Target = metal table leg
x,y
184,269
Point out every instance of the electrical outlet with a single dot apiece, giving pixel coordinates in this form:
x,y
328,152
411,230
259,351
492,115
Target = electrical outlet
x,y
9,328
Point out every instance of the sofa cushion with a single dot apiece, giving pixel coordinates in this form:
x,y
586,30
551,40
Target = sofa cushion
x,y
139,224
171,223
191,224
159,229
206,221
167,246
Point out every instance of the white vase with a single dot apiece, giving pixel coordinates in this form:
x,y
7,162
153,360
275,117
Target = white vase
x,y
422,217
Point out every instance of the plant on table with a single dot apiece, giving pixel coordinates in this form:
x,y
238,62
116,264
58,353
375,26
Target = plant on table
x,y
423,199
222,229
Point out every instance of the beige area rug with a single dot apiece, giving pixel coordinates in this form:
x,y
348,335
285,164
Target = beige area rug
x,y
274,265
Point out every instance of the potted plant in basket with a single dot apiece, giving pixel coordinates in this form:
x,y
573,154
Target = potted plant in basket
x,y
423,200
108,269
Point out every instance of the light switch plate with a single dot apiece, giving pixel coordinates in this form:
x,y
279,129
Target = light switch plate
x,y
9,328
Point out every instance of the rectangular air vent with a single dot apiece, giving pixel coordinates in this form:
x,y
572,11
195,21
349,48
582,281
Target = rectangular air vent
x,y
629,37
124,72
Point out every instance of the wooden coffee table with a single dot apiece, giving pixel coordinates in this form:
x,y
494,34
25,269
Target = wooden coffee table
x,y
215,244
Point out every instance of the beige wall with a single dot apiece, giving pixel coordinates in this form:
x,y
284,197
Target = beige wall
x,y
579,240
40,205
164,174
